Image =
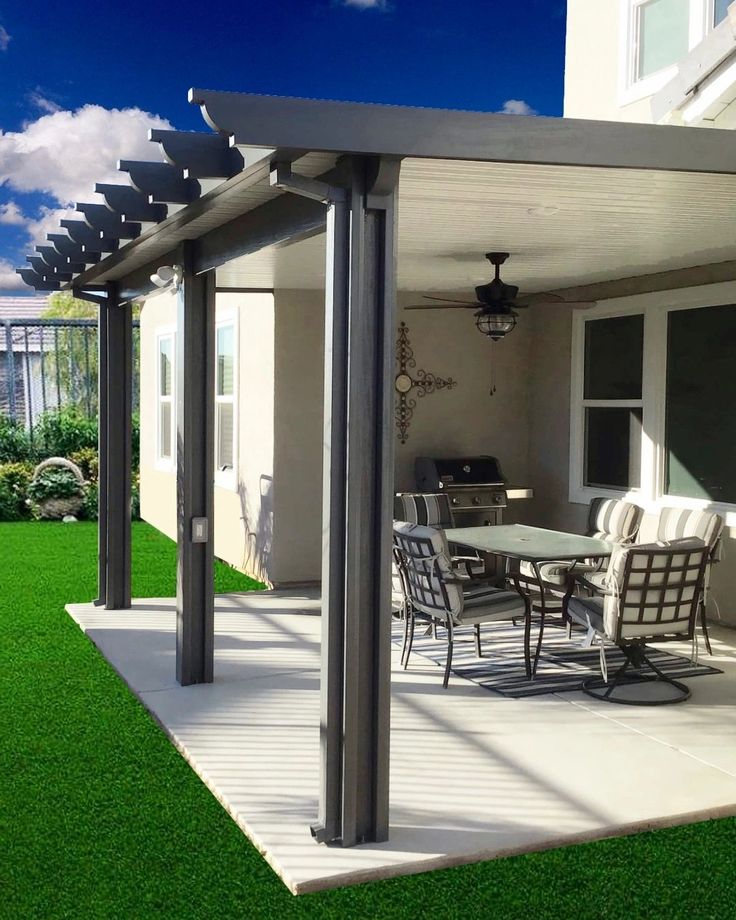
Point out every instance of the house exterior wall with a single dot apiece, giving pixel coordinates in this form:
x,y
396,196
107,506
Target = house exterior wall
x,y
593,63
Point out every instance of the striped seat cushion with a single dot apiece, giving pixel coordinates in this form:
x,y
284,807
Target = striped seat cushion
x,y
485,604
555,573
614,520
676,523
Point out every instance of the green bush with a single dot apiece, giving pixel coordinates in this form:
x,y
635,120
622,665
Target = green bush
x,y
14,443
88,462
60,434
90,509
14,481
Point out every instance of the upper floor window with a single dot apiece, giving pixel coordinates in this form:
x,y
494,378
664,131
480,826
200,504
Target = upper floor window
x,y
656,35
662,31
225,403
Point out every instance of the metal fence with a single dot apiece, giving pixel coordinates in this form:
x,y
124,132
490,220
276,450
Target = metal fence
x,y
47,365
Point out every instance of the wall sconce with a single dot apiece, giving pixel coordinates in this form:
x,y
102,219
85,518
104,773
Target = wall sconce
x,y
168,276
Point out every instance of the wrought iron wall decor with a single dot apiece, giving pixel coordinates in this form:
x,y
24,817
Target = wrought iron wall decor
x,y
407,380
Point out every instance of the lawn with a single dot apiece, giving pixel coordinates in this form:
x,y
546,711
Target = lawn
x,y
100,817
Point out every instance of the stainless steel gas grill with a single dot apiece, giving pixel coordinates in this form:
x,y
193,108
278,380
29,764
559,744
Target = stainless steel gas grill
x,y
476,486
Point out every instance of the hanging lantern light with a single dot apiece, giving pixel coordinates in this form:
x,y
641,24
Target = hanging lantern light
x,y
495,325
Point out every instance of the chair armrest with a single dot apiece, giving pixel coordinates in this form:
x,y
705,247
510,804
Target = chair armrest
x,y
591,586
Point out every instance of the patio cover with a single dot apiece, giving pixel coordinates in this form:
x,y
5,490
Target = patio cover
x,y
601,209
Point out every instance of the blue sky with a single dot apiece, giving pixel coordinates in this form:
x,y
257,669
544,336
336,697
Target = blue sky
x,y
80,80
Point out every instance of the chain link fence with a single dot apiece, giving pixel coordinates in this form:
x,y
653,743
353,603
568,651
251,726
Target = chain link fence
x,y
48,365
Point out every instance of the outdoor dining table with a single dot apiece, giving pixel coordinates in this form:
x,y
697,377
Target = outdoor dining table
x,y
534,545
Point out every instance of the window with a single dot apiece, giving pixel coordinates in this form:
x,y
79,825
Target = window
x,y
652,403
700,422
165,441
612,401
225,408
720,8
662,30
655,36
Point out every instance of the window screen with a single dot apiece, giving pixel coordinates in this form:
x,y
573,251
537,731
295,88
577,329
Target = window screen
x,y
613,447
613,357
663,29
700,439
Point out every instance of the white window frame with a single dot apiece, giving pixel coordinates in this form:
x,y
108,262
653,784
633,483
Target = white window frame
x,y
228,479
651,494
630,88
167,464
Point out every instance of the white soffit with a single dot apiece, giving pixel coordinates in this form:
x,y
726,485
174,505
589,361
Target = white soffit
x,y
563,225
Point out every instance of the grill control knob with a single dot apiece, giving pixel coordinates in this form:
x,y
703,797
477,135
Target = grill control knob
x,y
476,499
498,499
455,500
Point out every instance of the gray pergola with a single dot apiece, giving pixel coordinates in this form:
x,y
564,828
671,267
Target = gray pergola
x,y
319,167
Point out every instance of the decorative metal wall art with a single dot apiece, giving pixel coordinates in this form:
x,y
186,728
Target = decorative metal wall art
x,y
422,381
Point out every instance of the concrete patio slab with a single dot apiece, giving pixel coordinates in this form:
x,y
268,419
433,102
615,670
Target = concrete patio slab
x,y
474,775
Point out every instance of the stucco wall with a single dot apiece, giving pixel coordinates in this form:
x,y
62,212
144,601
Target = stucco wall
x,y
592,64
243,516
550,447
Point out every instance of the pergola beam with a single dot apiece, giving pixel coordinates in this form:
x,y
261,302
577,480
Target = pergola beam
x,y
199,156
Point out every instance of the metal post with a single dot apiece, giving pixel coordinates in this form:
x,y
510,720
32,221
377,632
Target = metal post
x,y
10,358
102,523
195,427
357,508
116,429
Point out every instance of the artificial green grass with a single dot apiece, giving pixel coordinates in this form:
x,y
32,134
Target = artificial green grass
x,y
100,817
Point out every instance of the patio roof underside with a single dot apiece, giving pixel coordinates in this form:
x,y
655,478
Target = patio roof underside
x,y
564,226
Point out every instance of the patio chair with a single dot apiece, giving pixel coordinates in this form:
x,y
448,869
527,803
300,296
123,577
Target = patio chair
x,y
433,509
609,519
675,523
652,594
434,590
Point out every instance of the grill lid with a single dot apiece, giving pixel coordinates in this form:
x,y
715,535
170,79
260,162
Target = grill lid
x,y
433,474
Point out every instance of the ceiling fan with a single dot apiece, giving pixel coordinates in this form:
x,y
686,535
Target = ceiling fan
x,y
496,304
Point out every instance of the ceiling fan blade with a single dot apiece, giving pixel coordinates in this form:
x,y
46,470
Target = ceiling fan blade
x,y
449,305
549,299
470,303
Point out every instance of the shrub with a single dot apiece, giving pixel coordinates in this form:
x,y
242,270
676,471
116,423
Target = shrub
x,y
88,462
90,509
60,434
55,483
14,480
14,443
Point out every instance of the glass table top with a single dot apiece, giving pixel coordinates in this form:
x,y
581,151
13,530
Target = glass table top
x,y
533,544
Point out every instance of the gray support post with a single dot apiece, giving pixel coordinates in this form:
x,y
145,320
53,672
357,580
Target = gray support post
x,y
116,430
103,451
357,508
195,427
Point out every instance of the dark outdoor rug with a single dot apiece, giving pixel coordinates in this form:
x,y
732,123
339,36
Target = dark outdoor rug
x,y
563,663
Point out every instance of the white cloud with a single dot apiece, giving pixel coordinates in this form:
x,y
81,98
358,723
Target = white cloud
x,y
10,213
64,153
4,39
9,280
517,107
367,4
39,101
